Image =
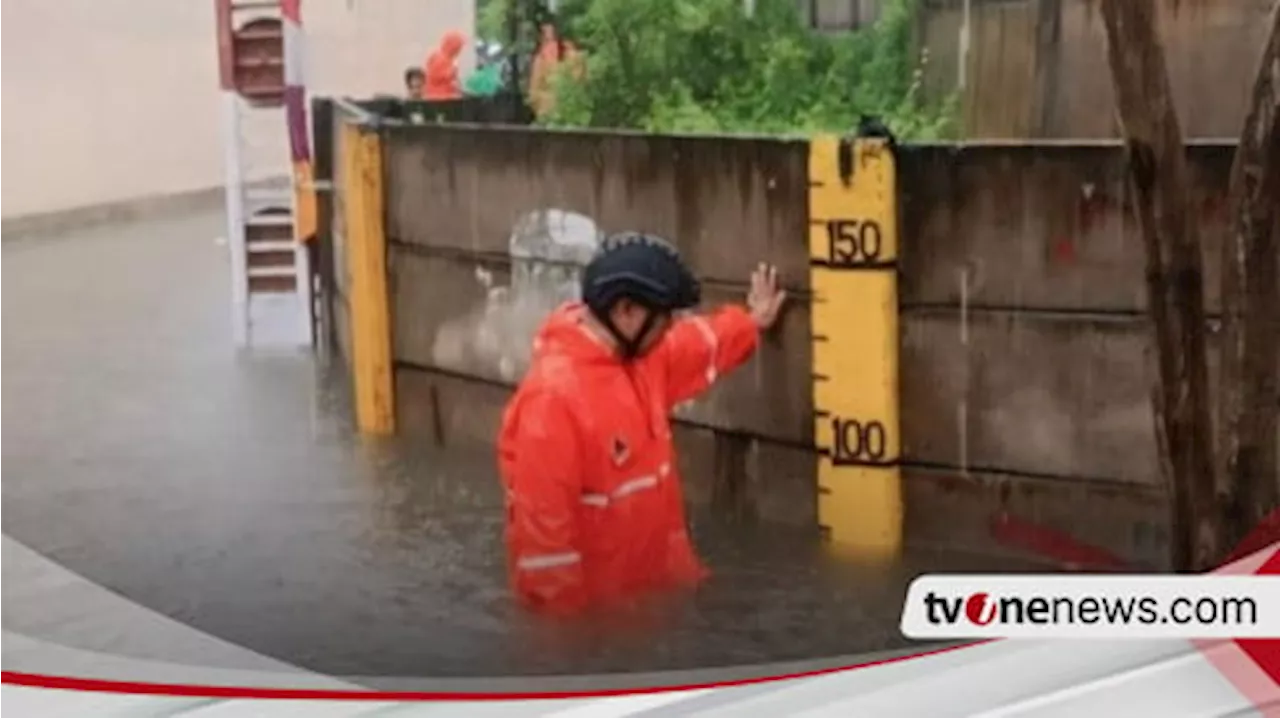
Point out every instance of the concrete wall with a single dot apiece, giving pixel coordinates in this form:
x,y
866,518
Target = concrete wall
x,y
112,100
1025,368
464,309
838,15
1038,68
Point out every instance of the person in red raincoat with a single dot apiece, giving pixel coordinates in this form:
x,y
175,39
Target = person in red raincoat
x,y
595,509
552,52
441,69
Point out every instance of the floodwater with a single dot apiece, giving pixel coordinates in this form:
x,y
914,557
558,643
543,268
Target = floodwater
x,y
230,493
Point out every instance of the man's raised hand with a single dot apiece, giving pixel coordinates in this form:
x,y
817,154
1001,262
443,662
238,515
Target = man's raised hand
x,y
765,299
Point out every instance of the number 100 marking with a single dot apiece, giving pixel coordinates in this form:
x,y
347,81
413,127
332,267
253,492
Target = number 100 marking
x,y
857,443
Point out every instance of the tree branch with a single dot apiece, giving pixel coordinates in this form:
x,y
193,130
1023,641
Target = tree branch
x,y
1159,184
1248,472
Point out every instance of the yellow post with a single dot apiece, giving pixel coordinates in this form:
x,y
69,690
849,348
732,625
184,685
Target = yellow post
x,y
853,249
304,201
366,261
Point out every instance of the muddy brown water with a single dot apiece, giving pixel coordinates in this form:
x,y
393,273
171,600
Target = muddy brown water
x,y
229,492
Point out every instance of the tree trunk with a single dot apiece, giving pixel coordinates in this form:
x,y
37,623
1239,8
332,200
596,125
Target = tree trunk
x,y
1248,477
1158,181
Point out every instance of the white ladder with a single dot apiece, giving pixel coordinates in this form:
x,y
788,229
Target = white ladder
x,y
271,290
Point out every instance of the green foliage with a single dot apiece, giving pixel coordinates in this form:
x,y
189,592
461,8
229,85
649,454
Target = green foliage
x,y
705,66
491,20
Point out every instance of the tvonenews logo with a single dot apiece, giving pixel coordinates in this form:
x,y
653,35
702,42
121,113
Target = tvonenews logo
x,y
1058,606
983,609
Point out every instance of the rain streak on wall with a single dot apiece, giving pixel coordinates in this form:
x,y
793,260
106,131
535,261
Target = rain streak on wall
x,y
1026,360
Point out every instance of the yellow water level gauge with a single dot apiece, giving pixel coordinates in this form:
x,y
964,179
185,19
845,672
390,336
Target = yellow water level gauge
x,y
853,250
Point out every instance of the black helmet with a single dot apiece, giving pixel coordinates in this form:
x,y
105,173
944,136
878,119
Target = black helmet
x,y
643,268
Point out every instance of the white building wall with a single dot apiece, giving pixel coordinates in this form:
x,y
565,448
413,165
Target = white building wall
x,y
111,100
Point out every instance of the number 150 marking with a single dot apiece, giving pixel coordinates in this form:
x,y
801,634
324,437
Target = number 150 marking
x,y
853,242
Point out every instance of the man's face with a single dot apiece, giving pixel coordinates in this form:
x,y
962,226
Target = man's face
x,y
629,318
413,86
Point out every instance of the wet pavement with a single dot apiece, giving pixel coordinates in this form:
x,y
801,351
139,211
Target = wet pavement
x,y
230,493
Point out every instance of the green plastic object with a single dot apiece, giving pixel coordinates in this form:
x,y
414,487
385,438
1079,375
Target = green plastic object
x,y
484,82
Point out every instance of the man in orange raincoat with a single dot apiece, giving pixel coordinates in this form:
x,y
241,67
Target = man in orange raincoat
x,y
595,509
442,69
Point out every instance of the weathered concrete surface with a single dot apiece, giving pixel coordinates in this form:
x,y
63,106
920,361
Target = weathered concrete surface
x,y
1110,525
1035,394
1038,226
1024,344
456,313
727,202
457,196
1038,68
1025,353
507,300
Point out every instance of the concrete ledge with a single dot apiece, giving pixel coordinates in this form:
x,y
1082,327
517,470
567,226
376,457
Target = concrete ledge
x,y
45,224
61,623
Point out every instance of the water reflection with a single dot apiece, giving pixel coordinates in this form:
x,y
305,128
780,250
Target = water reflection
x,y
232,494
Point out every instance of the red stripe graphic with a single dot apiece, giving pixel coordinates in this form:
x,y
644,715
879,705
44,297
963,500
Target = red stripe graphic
x,y
95,685
1264,653
1263,535
1252,665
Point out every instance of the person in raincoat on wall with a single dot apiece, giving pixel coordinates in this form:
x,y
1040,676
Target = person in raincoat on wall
x,y
595,508
553,52
441,68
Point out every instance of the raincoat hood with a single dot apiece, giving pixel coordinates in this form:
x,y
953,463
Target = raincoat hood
x,y
441,68
566,334
451,44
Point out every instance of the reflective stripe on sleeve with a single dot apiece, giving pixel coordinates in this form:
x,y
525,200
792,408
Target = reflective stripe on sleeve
x,y
626,488
633,485
544,561
710,335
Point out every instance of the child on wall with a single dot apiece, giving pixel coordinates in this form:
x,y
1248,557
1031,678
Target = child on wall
x,y
414,82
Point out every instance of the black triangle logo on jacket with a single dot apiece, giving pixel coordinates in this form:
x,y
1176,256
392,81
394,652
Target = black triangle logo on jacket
x,y
620,451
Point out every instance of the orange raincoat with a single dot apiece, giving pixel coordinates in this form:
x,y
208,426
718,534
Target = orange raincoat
x,y
595,509
545,62
442,69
